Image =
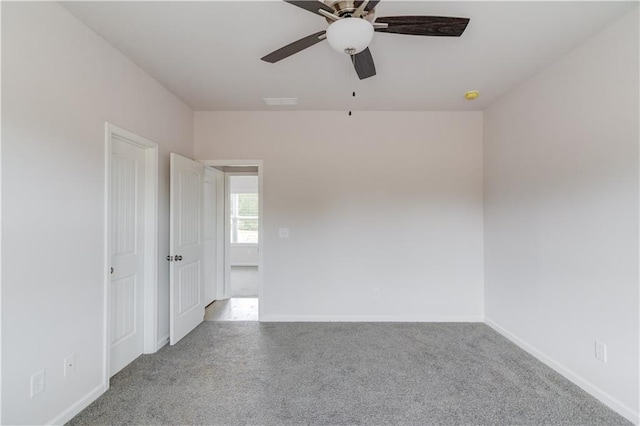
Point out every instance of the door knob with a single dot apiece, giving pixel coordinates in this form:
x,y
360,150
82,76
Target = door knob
x,y
112,269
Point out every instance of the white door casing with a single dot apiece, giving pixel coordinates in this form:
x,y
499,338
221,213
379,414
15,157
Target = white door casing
x,y
127,254
123,330
220,234
226,287
186,247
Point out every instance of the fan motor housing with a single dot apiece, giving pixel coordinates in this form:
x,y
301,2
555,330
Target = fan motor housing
x,y
345,8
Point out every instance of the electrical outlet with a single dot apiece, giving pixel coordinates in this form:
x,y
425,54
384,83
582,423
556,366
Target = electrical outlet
x,y
69,365
37,383
601,351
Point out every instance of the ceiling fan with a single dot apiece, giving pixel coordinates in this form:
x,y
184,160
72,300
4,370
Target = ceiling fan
x,y
351,27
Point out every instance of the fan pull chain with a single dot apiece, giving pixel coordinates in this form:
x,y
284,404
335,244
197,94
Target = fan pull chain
x,y
351,83
353,94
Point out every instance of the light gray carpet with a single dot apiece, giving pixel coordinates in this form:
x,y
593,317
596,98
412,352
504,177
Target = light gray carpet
x,y
343,373
244,281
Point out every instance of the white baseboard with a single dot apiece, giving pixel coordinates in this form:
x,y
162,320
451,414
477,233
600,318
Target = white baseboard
x,y
163,341
611,402
78,406
368,318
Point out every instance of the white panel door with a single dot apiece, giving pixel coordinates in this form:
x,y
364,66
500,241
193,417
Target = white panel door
x,y
213,180
186,247
127,253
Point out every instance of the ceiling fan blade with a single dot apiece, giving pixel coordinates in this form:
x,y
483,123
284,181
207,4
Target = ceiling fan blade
x,y
295,47
364,6
363,63
311,5
369,6
439,26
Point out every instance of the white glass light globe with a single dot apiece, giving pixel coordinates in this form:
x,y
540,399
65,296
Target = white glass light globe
x,y
350,35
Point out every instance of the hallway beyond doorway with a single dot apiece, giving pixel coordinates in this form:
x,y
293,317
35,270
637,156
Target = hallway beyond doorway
x,y
244,281
234,309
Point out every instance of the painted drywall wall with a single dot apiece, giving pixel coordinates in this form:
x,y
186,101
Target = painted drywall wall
x,y
561,214
244,255
384,210
243,184
60,83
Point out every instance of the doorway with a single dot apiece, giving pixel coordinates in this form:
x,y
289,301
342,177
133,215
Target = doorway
x,y
244,235
239,298
131,248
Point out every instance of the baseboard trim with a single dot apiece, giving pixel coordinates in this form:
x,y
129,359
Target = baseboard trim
x,y
368,318
163,341
78,406
611,402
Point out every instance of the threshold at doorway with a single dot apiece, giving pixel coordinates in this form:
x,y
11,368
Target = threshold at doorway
x,y
234,309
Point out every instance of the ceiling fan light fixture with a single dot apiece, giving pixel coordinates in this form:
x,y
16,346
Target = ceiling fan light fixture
x,y
350,35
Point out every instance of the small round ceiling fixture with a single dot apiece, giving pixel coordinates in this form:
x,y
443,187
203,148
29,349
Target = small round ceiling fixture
x,y
350,35
471,95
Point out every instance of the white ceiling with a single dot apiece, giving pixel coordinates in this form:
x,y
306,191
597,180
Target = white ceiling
x,y
208,52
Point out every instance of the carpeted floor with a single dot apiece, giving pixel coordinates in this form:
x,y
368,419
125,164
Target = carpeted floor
x,y
343,373
244,281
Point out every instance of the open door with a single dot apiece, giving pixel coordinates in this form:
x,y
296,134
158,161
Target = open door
x,y
186,247
213,234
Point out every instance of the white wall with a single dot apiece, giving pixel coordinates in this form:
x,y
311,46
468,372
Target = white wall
x,y
384,210
244,255
243,184
561,214
60,83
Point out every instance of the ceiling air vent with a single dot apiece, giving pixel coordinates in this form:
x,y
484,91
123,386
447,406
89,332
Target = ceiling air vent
x,y
280,101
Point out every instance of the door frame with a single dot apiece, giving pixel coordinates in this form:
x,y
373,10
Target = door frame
x,y
150,286
227,244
